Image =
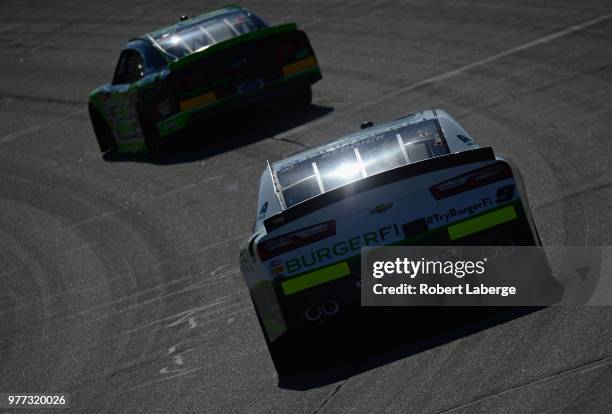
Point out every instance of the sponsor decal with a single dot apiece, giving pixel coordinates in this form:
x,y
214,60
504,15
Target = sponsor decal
x,y
264,208
239,63
485,221
316,258
299,66
455,213
381,208
466,140
278,271
276,267
262,211
245,263
317,277
505,193
275,263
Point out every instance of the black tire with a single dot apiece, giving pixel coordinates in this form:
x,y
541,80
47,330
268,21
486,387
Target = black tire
x,y
283,360
104,136
150,133
283,356
301,97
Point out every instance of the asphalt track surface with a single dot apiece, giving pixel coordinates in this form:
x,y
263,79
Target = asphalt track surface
x,y
119,280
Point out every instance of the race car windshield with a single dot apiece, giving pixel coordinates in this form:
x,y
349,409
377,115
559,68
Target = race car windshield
x,y
357,156
194,36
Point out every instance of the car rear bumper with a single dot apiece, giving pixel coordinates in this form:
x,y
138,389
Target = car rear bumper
x,y
311,292
206,107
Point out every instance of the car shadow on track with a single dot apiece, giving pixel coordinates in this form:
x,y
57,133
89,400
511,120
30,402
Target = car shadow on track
x,y
338,354
228,133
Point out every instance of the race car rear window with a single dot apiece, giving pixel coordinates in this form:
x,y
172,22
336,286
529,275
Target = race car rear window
x,y
381,153
337,168
301,191
422,142
356,156
182,40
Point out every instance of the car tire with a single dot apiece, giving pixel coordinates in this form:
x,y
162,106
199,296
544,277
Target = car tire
x,y
104,136
301,97
283,361
150,133
283,357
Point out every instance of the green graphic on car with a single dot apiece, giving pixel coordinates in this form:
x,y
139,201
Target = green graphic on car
x,y
195,71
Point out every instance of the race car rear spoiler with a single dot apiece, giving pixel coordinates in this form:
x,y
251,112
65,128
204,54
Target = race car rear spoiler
x,y
226,44
386,177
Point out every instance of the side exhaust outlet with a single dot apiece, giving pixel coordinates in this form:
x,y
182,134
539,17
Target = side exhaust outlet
x,y
330,307
313,313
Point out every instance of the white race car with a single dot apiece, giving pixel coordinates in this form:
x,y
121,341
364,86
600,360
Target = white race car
x,y
418,180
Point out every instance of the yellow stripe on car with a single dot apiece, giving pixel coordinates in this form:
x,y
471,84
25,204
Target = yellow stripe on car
x,y
471,226
299,66
315,278
199,100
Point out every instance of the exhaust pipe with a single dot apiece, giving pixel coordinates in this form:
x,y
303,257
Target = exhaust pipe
x,y
330,307
313,313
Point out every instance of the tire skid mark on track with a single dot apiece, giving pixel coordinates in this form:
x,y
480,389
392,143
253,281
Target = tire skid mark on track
x,y
188,289
114,366
122,275
586,115
199,368
11,27
579,193
210,281
103,235
446,75
130,207
593,187
164,354
111,213
200,337
48,100
335,391
68,252
200,324
161,321
517,74
25,131
34,128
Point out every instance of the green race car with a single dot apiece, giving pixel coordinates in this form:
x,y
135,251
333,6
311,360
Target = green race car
x,y
196,70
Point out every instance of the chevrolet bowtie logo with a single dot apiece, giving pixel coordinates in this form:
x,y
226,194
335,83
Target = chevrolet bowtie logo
x,y
381,208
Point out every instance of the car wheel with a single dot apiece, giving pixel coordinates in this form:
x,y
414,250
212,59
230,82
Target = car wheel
x,y
150,133
301,96
104,136
283,360
283,357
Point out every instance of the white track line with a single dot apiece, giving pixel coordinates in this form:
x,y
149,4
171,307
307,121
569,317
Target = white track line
x,y
452,73
549,379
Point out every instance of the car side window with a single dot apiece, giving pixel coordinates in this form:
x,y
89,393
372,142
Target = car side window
x,y
153,58
130,67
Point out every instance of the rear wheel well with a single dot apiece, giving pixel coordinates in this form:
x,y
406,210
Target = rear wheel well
x,y
149,131
102,130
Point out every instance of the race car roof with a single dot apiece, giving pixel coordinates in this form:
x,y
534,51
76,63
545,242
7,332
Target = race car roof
x,y
192,20
198,33
407,140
